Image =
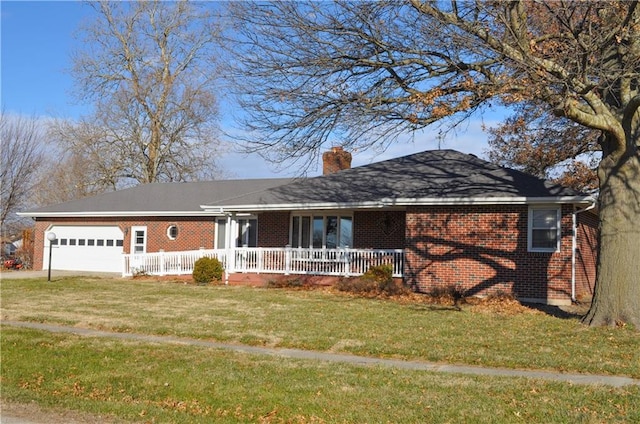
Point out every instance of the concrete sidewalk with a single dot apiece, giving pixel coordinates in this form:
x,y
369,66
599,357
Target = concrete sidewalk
x,y
582,379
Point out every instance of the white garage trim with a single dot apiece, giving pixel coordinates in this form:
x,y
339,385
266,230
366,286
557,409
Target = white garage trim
x,y
85,248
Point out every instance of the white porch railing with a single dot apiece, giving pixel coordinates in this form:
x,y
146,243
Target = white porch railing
x,y
338,262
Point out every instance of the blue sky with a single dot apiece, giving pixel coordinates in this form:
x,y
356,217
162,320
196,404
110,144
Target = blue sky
x,y
38,38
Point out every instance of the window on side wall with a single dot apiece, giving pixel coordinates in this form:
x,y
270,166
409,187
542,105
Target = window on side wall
x,y
544,229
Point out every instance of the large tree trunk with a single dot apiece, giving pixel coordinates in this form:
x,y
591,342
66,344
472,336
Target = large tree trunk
x,y
616,298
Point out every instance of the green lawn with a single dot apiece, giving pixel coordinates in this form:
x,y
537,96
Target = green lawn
x,y
153,383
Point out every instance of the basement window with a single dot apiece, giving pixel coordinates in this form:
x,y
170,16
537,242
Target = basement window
x,y
172,232
544,229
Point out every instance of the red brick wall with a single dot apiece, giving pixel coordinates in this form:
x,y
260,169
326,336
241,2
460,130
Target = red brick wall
x,y
378,230
273,229
483,250
587,254
38,243
193,232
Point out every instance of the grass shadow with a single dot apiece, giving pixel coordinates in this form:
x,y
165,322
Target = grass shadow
x,y
433,307
573,311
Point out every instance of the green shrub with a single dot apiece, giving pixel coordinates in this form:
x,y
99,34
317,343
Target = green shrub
x,y
380,273
206,270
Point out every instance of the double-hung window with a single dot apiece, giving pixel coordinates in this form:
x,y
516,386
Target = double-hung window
x,y
544,229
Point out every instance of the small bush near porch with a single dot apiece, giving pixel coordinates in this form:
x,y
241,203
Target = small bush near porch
x,y
206,270
145,382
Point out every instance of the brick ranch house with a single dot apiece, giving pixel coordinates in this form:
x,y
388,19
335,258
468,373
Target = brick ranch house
x,y
441,218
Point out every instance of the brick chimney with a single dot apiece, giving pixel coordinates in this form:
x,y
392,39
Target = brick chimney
x,y
335,160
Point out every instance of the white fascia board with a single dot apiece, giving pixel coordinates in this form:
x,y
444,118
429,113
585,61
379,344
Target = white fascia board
x,y
290,206
494,201
118,214
578,200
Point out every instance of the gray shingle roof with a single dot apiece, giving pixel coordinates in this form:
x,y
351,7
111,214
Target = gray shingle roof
x,y
158,198
437,176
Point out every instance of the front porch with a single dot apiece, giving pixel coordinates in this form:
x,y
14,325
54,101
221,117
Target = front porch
x,y
258,260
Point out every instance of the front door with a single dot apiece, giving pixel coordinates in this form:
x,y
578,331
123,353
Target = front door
x,y
138,240
138,247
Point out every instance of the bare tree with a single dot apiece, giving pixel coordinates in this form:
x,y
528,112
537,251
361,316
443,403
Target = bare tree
x,y
72,176
365,72
148,66
22,156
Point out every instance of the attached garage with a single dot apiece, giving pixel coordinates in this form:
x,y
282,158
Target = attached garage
x,y
85,248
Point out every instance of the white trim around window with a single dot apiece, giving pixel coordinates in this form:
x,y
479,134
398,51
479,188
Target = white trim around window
x,y
544,229
172,232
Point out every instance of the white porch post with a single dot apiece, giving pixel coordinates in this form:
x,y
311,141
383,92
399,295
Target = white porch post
x,y
230,253
161,259
287,259
347,262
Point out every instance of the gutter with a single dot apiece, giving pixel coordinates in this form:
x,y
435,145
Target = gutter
x,y
400,202
117,214
574,246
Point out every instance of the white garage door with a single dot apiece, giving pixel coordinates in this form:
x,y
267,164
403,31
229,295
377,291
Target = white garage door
x,y
85,248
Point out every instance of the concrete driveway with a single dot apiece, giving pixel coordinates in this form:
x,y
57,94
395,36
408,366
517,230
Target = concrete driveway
x,y
12,274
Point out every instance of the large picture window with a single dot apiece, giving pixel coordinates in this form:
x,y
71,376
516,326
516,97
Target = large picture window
x,y
544,229
322,231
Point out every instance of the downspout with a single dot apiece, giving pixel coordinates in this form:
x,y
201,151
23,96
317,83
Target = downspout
x,y
574,246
